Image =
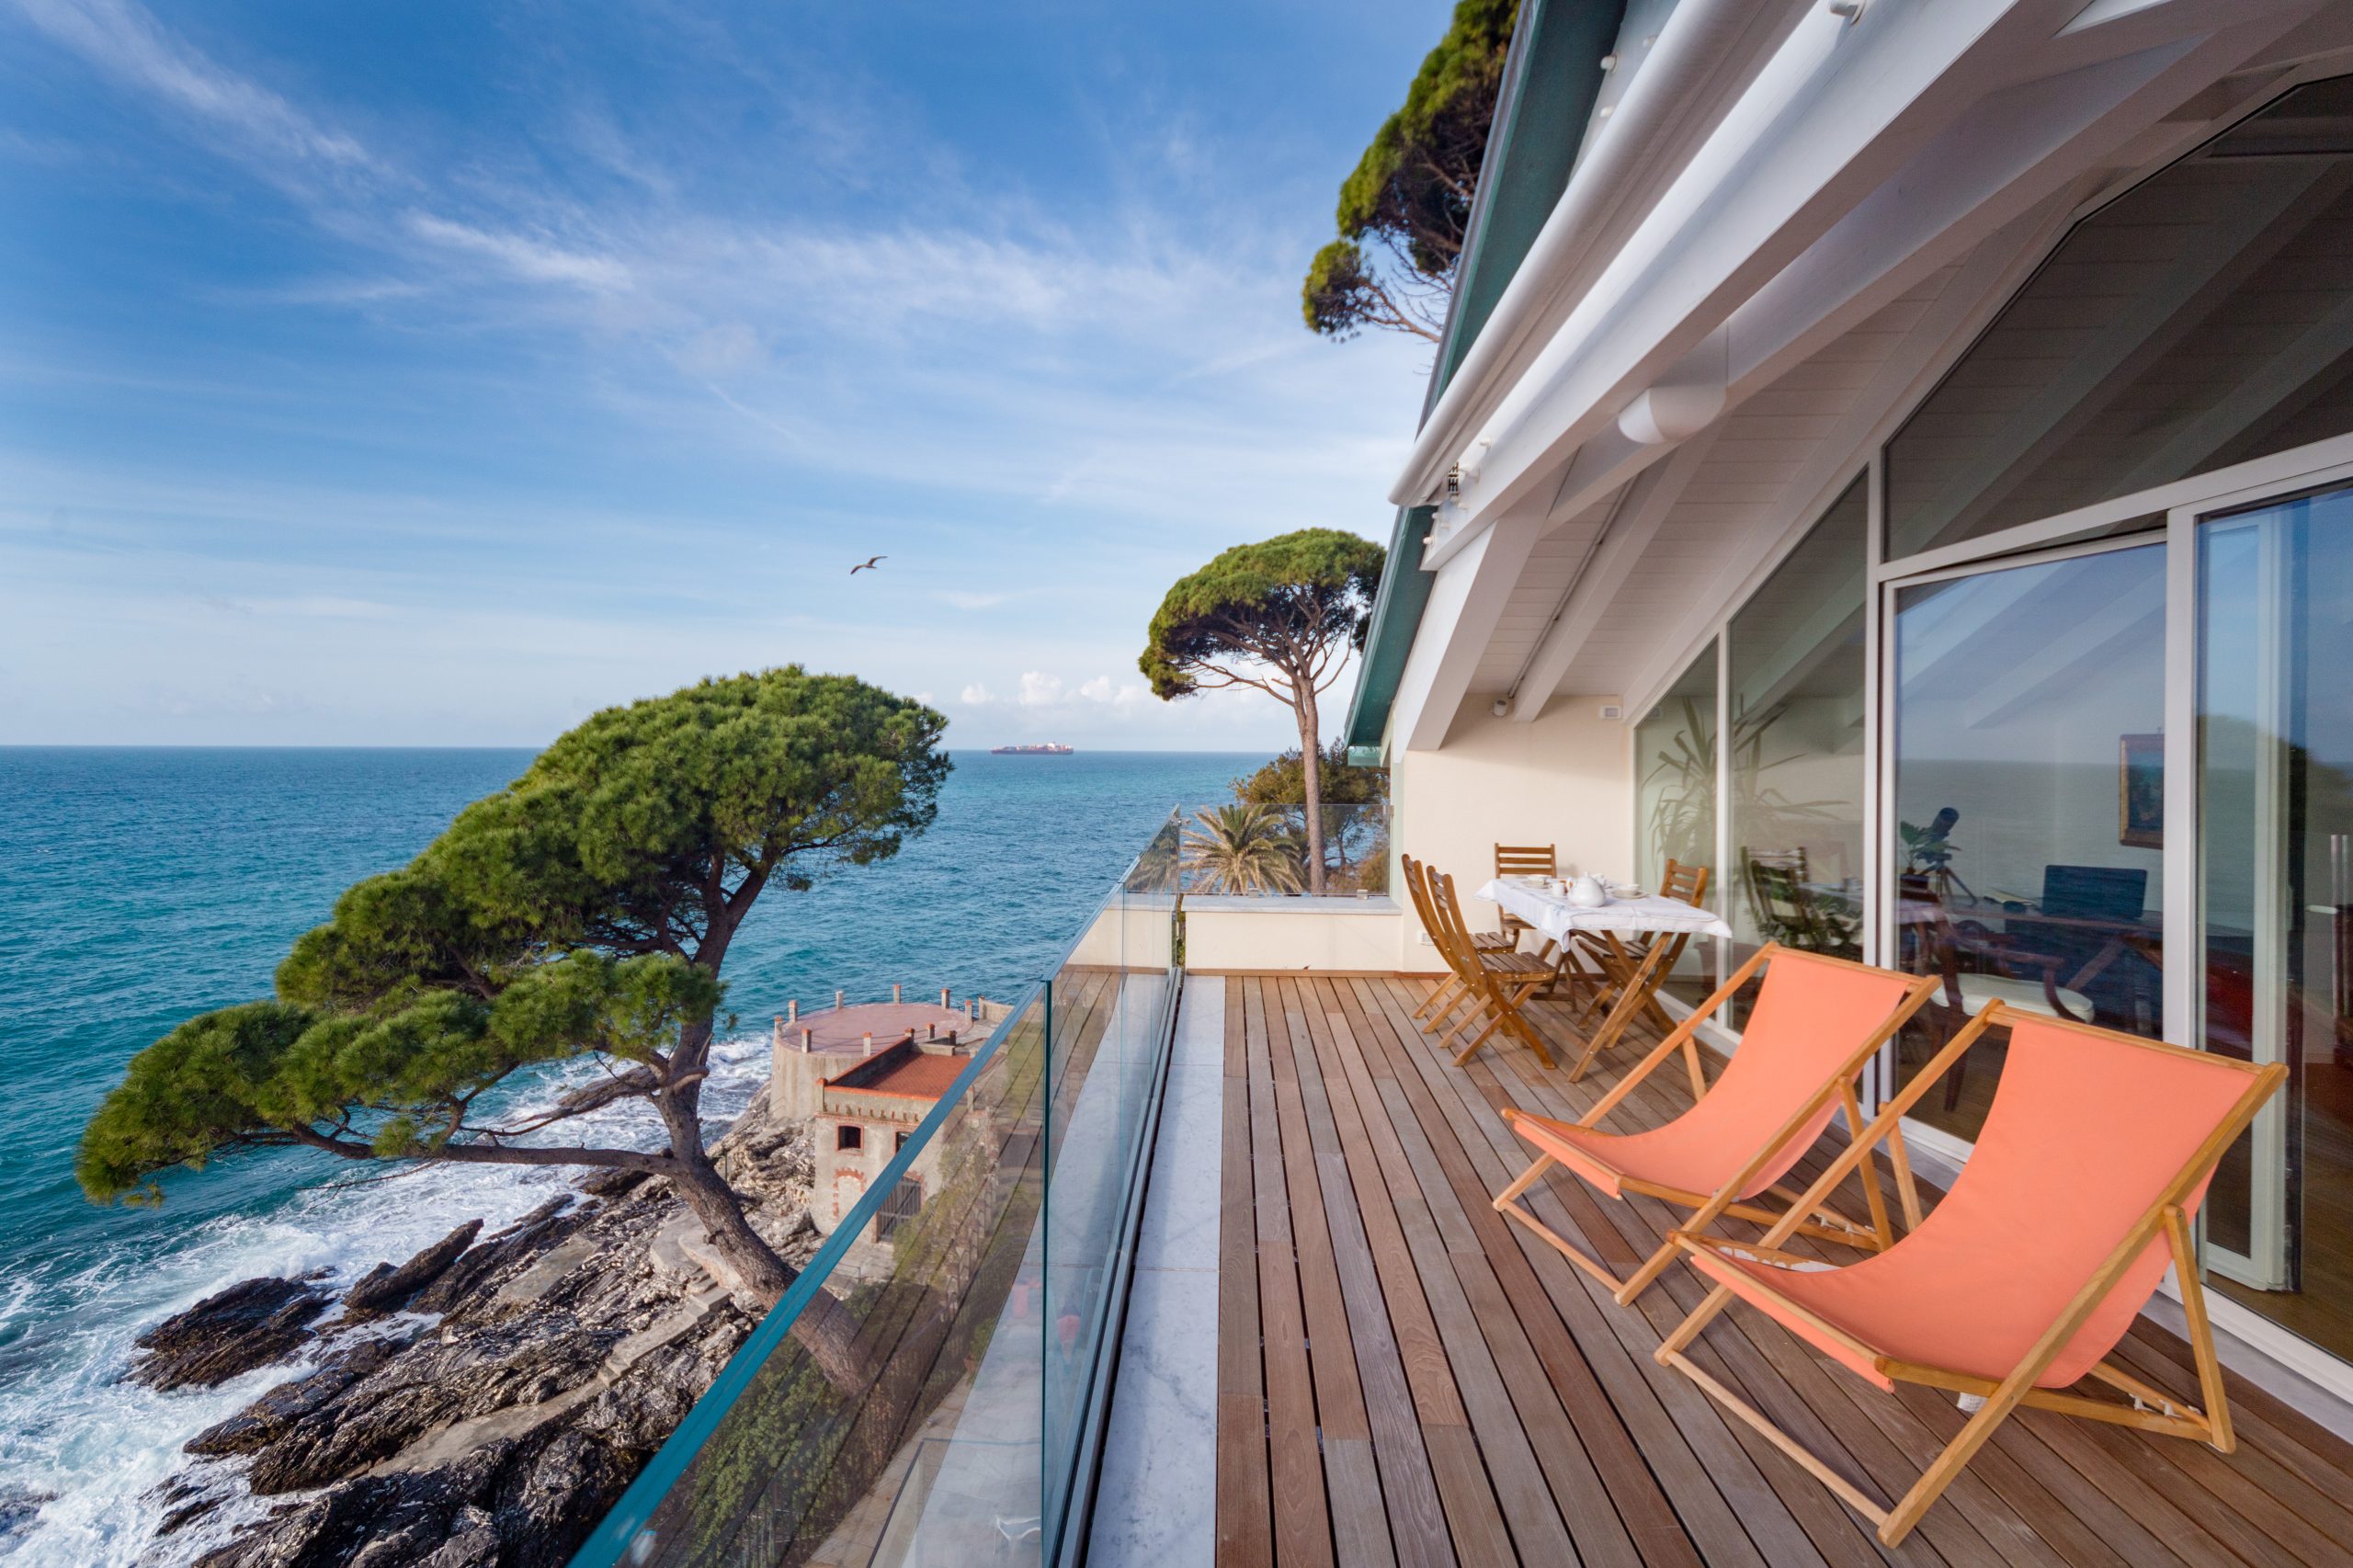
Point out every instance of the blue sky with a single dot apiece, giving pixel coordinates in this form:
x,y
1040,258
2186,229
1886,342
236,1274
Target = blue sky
x,y
376,373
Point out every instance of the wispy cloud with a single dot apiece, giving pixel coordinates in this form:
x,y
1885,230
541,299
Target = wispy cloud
x,y
964,600
535,260
306,606
665,367
125,41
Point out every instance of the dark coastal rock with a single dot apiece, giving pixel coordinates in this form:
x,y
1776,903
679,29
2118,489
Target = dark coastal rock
x,y
387,1289
541,1499
558,1357
520,1504
275,1413
19,1508
388,1521
464,1278
612,1183
433,1384
186,1513
640,1411
245,1326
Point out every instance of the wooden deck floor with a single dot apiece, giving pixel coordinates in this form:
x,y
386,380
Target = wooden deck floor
x,y
1404,1378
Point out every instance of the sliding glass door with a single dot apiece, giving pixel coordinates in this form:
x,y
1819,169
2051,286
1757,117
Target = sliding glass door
x,y
2028,803
2274,976
2030,795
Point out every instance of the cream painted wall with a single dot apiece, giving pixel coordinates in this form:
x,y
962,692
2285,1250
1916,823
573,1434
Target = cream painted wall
x,y
1559,779
1348,935
1130,933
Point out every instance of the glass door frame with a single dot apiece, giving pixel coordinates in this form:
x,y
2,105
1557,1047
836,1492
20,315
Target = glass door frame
x,y
2184,982
1884,906
2174,511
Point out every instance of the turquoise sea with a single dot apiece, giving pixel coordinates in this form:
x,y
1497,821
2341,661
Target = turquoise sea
x,y
140,887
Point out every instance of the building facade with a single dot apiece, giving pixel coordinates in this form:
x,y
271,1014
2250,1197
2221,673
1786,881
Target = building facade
x,y
1907,465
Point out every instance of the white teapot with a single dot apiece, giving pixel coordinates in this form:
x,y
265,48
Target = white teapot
x,y
1586,892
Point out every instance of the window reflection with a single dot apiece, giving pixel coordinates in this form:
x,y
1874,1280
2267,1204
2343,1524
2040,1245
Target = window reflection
x,y
1797,745
2028,848
2201,319
2276,900
1674,772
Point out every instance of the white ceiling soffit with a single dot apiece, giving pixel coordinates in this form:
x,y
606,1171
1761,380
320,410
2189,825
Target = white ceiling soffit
x,y
1705,57
2100,12
1877,138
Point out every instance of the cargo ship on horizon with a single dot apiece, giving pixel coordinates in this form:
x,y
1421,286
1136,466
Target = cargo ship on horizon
x,y
1050,749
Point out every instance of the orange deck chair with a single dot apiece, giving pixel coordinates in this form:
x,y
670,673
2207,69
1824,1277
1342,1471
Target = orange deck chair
x,y
1817,1023
2079,1194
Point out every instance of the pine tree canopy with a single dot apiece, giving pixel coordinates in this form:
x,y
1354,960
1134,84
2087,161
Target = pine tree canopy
x,y
583,910
1295,603
1405,210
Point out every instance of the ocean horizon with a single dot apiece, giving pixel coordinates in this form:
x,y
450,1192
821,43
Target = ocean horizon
x,y
146,884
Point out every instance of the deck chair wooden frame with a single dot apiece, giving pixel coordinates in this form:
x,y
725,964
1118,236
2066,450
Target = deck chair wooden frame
x,y
1814,1219
1496,991
2149,1410
1633,977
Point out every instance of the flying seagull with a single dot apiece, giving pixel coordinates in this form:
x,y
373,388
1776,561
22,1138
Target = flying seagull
x,y
870,564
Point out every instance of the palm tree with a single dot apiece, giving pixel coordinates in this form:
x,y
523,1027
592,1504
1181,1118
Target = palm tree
x,y
1242,850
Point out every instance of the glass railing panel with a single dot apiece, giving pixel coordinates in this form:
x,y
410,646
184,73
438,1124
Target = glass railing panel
x,y
838,1412
1230,850
927,1392
1110,1005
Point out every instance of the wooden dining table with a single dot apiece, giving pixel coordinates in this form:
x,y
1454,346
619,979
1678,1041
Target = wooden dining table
x,y
1538,902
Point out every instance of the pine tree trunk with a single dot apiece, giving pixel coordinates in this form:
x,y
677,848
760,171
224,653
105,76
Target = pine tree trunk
x,y
1311,767
824,1326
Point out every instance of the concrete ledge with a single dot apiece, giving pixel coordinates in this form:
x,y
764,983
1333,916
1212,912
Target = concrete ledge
x,y
1331,934
1224,903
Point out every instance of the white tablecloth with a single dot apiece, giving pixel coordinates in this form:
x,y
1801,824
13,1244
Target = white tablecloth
x,y
1555,916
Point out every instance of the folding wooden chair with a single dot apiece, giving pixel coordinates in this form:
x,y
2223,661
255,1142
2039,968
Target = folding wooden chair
x,y
1635,971
2079,1194
1460,1000
1816,1024
1452,990
1495,984
1523,860
1457,992
1581,977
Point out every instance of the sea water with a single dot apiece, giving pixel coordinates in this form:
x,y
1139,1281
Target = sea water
x,y
141,886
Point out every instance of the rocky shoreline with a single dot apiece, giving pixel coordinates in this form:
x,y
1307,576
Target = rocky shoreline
x,y
484,1403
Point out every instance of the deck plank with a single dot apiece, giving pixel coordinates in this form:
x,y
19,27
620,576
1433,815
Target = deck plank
x,y
1404,1376
1716,1488
1408,1490
1244,1501
1352,1473
1302,1515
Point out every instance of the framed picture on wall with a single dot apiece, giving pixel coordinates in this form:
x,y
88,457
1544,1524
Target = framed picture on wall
x,y
2140,792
